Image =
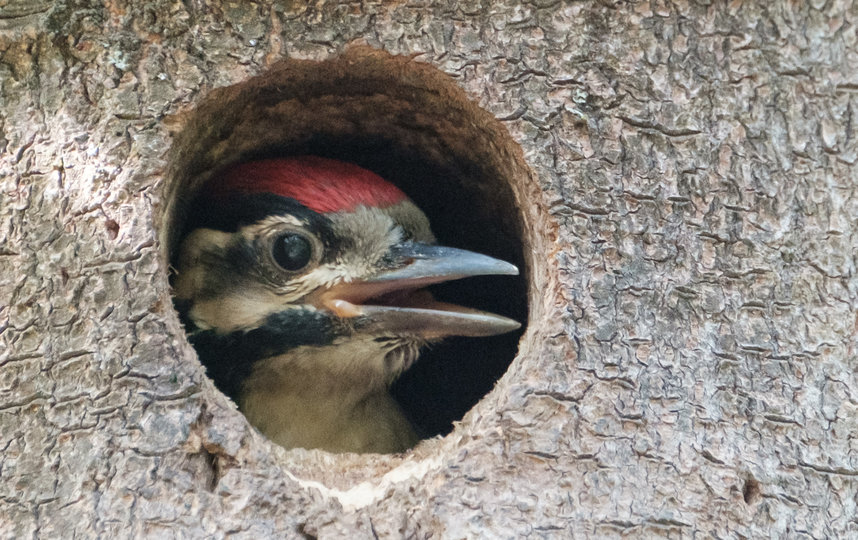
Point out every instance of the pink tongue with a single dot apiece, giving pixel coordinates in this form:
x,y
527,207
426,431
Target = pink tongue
x,y
404,299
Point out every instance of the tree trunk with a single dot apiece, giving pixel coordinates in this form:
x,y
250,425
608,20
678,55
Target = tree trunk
x,y
687,211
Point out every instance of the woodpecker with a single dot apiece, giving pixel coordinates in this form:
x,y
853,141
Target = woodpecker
x,y
302,285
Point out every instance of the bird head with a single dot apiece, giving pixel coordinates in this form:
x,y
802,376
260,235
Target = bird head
x,y
323,265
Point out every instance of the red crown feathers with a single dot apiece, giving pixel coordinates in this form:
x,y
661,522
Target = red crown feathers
x,y
322,185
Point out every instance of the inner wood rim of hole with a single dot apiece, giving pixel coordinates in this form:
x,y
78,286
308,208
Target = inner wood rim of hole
x,y
346,106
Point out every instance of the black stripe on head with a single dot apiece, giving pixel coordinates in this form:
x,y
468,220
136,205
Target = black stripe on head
x,y
229,358
230,214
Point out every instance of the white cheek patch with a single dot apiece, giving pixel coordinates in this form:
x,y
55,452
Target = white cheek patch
x,y
246,307
236,310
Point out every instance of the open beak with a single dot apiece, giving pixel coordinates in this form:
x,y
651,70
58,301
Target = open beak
x,y
395,300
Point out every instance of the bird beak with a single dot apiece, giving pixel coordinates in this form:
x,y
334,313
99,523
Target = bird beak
x,y
395,301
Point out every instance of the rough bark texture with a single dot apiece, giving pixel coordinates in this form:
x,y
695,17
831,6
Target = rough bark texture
x,y
690,363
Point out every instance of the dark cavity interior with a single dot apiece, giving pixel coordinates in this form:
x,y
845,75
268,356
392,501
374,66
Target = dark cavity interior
x,y
412,125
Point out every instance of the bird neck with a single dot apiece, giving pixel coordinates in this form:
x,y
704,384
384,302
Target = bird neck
x,y
332,397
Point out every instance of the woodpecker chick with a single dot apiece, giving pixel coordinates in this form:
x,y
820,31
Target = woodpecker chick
x,y
302,285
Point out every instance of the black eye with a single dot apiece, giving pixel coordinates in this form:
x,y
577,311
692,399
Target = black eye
x,y
292,251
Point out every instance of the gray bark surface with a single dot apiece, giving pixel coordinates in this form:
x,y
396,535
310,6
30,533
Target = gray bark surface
x,y
690,367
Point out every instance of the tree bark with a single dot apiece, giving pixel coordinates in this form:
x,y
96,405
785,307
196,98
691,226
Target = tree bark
x,y
690,365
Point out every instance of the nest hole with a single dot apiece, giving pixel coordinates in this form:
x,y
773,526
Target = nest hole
x,y
413,125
